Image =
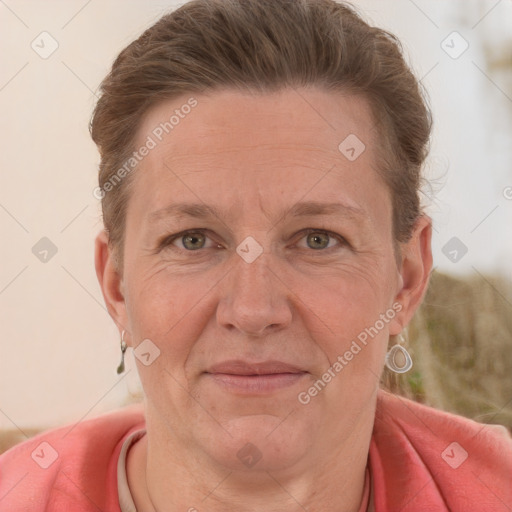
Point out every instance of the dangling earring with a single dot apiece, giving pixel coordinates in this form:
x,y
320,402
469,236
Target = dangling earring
x,y
391,362
124,346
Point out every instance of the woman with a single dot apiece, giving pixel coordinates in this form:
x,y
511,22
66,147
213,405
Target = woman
x,y
283,139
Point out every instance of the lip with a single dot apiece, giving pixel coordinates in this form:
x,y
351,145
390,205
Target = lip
x,y
255,378
240,367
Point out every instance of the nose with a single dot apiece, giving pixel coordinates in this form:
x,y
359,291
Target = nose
x,y
255,300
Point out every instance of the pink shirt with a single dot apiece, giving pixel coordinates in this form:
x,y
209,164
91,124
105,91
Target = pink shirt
x,y
420,459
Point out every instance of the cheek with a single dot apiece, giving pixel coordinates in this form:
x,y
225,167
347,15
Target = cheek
x,y
348,299
348,315
349,331
165,308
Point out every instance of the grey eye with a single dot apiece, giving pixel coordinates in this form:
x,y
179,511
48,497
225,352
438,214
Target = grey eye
x,y
318,240
193,241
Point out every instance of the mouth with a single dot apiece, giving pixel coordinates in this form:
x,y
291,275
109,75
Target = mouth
x,y
255,378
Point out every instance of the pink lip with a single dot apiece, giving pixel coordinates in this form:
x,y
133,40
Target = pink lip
x,y
239,367
253,378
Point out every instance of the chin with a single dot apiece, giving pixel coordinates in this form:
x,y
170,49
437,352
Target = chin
x,y
258,443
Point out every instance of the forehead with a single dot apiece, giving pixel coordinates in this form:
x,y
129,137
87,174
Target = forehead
x,y
308,117
274,147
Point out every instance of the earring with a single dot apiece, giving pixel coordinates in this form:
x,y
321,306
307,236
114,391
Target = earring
x,y
124,346
404,363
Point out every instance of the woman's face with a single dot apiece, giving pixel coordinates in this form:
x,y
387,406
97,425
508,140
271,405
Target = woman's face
x,y
287,278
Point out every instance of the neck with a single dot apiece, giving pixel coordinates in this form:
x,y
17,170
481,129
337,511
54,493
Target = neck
x,y
183,480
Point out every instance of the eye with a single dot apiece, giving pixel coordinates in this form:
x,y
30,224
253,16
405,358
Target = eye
x,y
190,240
193,240
319,239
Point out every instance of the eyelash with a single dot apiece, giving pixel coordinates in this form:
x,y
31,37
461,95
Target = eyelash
x,y
167,241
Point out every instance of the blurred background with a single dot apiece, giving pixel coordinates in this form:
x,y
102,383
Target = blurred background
x,y
59,349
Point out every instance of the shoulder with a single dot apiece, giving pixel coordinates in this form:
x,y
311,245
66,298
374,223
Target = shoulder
x,y
71,467
437,459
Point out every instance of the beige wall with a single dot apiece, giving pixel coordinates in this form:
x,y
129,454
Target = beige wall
x,y
59,348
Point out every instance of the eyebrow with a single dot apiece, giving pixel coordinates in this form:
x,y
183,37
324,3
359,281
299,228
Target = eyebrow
x,y
303,209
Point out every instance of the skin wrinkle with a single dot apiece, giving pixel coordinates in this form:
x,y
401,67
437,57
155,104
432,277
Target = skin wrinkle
x,y
267,215
355,237
292,303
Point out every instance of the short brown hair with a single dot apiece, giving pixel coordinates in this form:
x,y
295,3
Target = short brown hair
x,y
263,46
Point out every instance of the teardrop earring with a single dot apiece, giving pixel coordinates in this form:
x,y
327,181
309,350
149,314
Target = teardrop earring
x,y
124,346
398,359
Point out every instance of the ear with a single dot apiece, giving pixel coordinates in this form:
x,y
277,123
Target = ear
x,y
414,273
111,282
